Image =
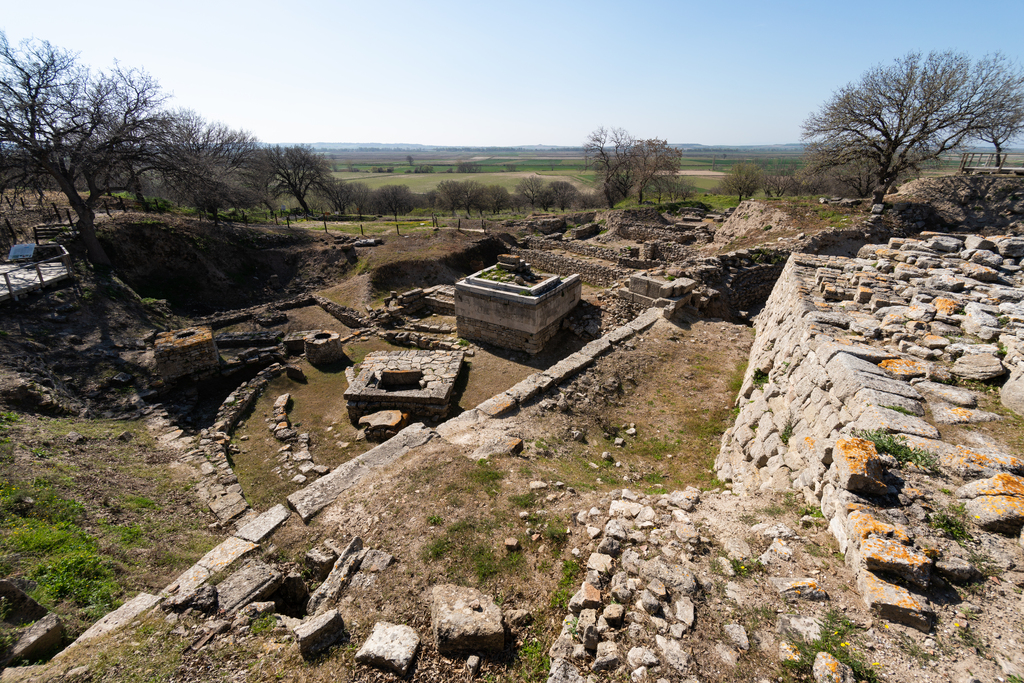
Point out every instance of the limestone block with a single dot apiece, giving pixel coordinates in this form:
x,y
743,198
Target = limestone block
x,y
390,646
464,619
858,466
885,555
894,603
225,554
946,414
587,597
828,669
861,525
254,581
807,629
981,367
320,632
677,578
260,528
346,564
972,463
19,608
123,615
876,418
563,672
37,641
870,397
607,657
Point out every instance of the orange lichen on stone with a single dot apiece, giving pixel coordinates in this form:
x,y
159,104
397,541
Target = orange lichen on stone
x,y
967,462
945,306
886,555
902,367
1002,484
894,603
997,513
861,525
858,465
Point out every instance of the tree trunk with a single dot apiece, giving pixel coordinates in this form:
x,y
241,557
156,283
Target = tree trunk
x,y
87,229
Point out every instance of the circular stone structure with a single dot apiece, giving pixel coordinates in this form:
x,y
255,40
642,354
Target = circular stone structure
x,y
323,347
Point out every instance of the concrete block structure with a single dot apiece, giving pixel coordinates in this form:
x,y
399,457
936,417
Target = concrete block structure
x,y
514,316
190,351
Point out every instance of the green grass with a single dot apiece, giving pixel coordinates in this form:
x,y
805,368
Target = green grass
x,y
896,446
488,478
837,634
566,587
465,545
532,662
952,520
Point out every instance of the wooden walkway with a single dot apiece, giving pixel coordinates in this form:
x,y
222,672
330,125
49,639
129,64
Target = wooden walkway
x,y
17,280
974,163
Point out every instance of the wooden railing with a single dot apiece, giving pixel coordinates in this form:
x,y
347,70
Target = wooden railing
x,y
19,280
991,163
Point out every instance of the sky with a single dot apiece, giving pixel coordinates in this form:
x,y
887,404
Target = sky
x,y
488,73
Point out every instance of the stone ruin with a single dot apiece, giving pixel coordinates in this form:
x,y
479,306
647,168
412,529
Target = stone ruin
x,y
670,294
501,306
187,352
416,382
324,347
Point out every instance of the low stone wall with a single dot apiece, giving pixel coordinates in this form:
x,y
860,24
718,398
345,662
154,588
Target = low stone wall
x,y
506,337
564,265
343,314
848,348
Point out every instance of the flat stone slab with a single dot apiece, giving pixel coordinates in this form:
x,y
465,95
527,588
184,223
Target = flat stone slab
x,y
225,554
980,366
944,392
974,462
254,581
325,490
228,506
383,419
947,414
390,646
260,528
877,418
465,620
188,581
885,555
124,614
319,633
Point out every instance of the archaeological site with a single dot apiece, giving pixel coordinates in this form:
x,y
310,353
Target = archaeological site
x,y
778,442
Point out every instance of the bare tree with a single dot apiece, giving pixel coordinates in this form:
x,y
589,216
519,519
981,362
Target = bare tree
x,y
612,153
338,194
205,163
90,131
563,194
743,179
653,158
298,171
532,188
393,199
909,112
776,185
449,195
361,197
497,198
408,159
471,195
1004,125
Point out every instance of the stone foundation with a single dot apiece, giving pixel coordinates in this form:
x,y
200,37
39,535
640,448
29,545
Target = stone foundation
x,y
187,352
419,383
324,347
514,316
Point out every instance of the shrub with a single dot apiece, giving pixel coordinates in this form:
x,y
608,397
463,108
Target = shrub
x,y
896,446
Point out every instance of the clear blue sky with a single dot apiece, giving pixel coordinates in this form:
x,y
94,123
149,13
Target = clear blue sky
x,y
460,72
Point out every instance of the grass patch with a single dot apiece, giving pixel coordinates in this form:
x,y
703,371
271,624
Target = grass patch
x,y
836,635
566,587
896,446
485,476
760,378
953,521
465,545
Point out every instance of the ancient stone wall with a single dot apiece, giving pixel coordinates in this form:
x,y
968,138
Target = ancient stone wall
x,y
847,348
564,265
187,352
506,337
343,314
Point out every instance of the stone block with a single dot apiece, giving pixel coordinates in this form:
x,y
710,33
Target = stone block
x,y
858,466
885,555
978,366
885,419
677,578
828,669
19,608
587,597
320,632
260,528
390,646
38,640
971,463
465,620
125,614
894,603
254,581
345,566
225,554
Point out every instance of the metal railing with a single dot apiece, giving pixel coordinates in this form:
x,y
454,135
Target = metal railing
x,y
991,163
